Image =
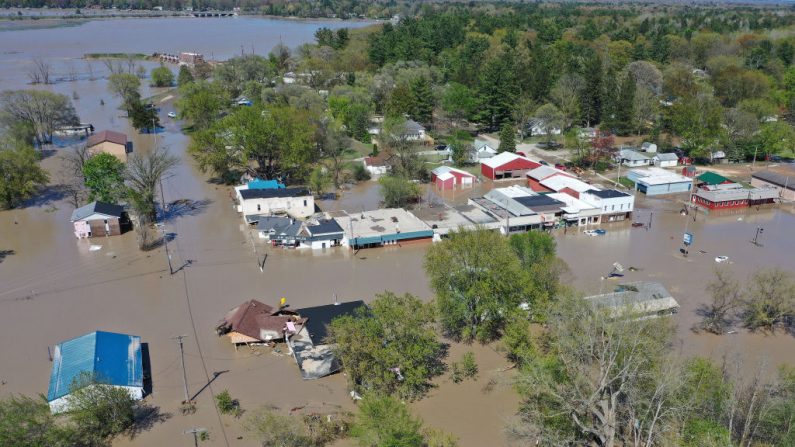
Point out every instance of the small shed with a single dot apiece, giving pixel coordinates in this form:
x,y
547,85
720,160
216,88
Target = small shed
x,y
103,358
446,177
109,142
99,219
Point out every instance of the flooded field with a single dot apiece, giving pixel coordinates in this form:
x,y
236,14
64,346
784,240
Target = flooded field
x,y
53,287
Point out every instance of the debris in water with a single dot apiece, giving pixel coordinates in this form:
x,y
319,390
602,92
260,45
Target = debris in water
x,y
95,248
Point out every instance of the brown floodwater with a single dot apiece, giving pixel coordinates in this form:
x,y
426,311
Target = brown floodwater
x,y
53,287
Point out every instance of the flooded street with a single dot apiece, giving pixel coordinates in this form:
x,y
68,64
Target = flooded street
x,y
53,287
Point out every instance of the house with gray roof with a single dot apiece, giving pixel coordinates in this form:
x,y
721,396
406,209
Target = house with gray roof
x,y
632,158
100,219
665,160
782,179
636,300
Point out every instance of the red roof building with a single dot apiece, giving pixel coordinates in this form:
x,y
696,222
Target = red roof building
x,y
536,176
445,177
506,165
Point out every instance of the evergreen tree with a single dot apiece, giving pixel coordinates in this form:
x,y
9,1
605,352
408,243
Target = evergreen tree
x,y
591,95
422,100
184,76
625,104
498,88
507,138
608,97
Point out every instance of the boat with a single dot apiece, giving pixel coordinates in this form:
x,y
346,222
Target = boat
x,y
172,114
721,258
638,224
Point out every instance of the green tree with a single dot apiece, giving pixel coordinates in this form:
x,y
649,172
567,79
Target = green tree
x,y
100,412
478,281
776,137
318,181
550,118
201,103
274,429
423,100
126,86
27,422
497,89
142,117
536,252
34,114
386,422
162,76
391,348
185,76
398,191
697,120
458,102
20,174
507,138
279,138
104,176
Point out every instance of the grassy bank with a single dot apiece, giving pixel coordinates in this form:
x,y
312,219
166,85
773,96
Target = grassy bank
x,y
135,56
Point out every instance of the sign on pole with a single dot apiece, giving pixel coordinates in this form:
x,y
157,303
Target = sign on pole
x,y
687,239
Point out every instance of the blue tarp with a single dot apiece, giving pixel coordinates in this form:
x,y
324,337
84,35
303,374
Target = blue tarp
x,y
265,184
110,358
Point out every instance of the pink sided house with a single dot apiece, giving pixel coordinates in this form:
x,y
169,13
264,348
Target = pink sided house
x,y
445,177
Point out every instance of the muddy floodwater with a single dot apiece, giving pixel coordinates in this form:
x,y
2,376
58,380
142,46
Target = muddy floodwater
x,y
53,287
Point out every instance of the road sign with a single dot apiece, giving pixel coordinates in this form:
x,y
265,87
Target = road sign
x,y
688,239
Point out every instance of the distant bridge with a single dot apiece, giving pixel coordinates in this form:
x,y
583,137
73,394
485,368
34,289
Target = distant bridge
x,y
213,13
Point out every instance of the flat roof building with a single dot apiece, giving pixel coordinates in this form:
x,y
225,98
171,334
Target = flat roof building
x,y
381,227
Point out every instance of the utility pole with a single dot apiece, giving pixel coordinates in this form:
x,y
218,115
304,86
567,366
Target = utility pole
x,y
195,432
179,339
759,230
163,201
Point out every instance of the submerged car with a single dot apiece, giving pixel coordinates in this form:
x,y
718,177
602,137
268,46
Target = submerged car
x,y
172,114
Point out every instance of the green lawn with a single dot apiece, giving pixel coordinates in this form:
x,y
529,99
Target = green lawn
x,y
626,182
359,149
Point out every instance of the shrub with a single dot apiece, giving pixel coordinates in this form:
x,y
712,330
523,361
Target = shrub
x,y
468,366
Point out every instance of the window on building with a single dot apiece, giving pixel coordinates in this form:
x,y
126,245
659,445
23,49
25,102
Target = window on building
x,y
304,202
613,209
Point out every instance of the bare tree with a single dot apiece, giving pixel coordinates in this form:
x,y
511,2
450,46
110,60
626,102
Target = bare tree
x,y
40,73
90,69
770,300
726,295
144,174
605,385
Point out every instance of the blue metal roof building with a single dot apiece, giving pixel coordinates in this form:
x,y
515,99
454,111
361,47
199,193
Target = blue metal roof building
x,y
110,358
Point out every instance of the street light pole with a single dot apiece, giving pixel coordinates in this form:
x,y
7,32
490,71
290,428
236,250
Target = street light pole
x,y
759,230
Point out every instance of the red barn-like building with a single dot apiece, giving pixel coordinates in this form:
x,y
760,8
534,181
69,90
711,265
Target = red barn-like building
x,y
445,177
506,165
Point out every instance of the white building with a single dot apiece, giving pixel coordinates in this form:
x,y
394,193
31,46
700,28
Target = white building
x,y
667,160
648,147
481,149
632,158
295,202
614,205
577,212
